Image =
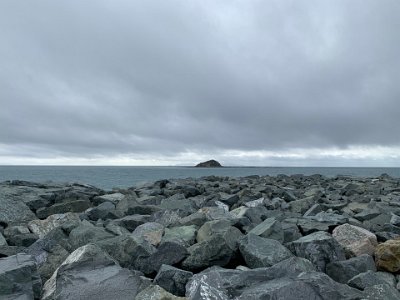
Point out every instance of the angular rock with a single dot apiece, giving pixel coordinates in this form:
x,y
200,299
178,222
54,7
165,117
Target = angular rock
x,y
103,211
169,253
212,227
185,235
151,232
343,271
19,278
260,252
381,291
87,233
219,283
387,256
157,293
60,208
13,209
270,228
90,273
128,251
114,198
131,222
319,247
370,278
355,240
43,227
216,251
49,252
173,279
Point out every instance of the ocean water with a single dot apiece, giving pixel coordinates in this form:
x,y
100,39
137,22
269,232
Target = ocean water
x,y
109,177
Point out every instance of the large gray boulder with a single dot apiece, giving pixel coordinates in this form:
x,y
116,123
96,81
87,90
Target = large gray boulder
x,y
19,278
129,252
260,252
290,279
90,273
217,250
87,233
343,271
49,252
270,228
13,209
370,278
319,247
64,207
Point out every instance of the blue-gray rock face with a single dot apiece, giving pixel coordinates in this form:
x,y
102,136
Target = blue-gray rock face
x,y
90,273
319,247
19,278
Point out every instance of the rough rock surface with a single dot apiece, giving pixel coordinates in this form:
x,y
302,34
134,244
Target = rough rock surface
x,y
387,256
355,240
255,237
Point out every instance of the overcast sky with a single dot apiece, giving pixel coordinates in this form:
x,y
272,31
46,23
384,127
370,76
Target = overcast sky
x,y
176,82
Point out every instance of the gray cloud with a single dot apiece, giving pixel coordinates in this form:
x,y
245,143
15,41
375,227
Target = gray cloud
x,y
80,79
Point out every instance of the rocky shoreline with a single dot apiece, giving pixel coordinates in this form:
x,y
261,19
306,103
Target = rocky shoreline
x,y
283,237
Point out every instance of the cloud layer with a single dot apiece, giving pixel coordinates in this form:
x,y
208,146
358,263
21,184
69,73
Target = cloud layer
x,y
250,82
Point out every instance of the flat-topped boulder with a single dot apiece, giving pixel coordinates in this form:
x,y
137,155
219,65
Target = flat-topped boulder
x,y
209,164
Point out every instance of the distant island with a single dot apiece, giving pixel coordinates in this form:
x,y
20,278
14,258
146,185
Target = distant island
x,y
209,164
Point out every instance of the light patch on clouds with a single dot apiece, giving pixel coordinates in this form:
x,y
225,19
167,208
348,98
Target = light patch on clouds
x,y
280,82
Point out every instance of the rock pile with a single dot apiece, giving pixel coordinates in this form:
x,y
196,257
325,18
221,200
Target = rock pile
x,y
283,237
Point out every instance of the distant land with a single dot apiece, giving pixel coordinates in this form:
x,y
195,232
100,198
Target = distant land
x,y
209,164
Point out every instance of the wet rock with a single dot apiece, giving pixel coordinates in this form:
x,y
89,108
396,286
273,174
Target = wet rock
x,y
260,252
319,247
355,240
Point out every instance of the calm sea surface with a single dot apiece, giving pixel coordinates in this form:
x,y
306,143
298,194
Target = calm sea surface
x,y
109,177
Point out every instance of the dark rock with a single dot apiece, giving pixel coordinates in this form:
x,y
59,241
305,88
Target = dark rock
x,y
381,291
270,228
105,210
129,252
173,279
60,208
370,278
218,250
343,271
319,247
209,164
19,278
169,253
260,252
90,273
131,222
87,233
49,252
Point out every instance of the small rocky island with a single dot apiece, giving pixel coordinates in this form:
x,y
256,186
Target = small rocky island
x,y
283,237
209,164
